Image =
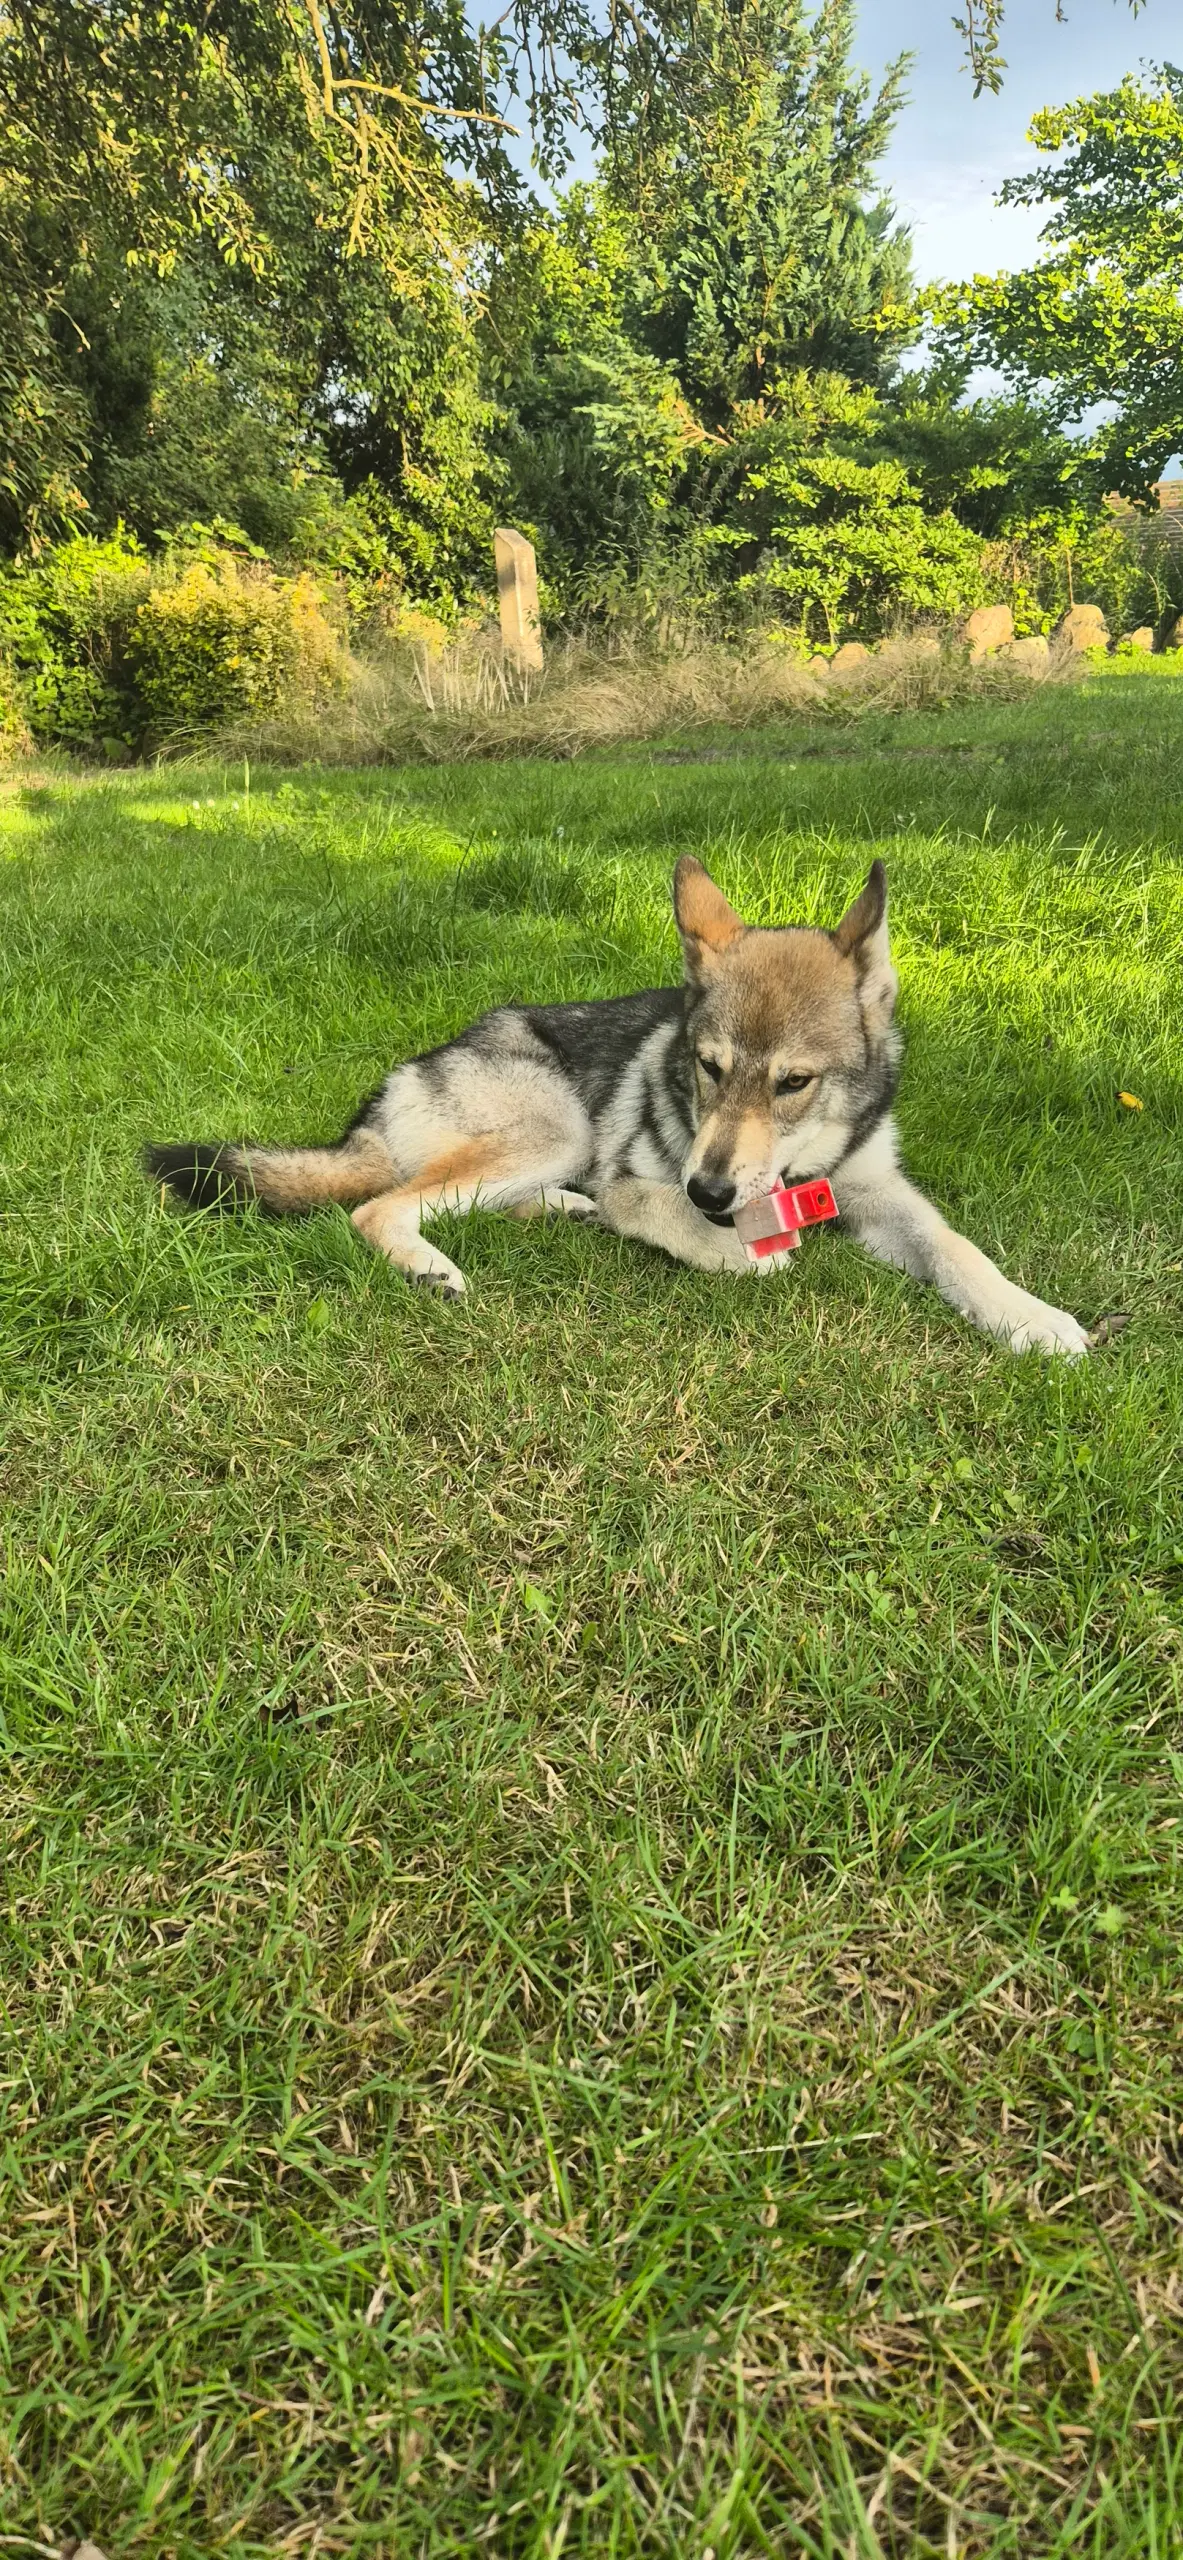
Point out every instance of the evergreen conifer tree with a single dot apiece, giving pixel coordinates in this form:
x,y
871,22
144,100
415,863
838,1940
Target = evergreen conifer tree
x,y
764,243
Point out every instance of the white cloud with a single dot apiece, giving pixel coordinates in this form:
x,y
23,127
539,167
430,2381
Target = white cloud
x,y
952,151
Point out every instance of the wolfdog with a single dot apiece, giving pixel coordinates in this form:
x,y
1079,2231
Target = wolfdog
x,y
659,1114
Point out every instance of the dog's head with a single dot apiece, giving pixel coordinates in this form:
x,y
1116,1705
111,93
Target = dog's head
x,y
792,1040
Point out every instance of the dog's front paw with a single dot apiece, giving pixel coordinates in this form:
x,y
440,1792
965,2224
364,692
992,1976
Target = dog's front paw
x,y
749,1266
1029,1325
726,1252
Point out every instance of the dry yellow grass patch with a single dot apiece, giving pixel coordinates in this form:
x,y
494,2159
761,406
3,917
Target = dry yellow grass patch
x,y
414,703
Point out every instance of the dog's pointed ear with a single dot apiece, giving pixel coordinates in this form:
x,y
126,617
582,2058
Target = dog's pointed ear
x,y
862,937
707,924
868,914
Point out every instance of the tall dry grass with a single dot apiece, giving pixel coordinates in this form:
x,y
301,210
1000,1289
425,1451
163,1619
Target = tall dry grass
x,y
415,704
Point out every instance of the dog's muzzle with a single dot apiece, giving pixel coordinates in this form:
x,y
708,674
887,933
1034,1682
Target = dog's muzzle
x,y
713,1197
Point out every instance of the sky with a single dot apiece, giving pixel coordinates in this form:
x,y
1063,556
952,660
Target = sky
x,y
952,151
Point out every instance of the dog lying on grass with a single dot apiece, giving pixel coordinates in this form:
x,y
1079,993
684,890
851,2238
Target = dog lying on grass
x,y
660,1114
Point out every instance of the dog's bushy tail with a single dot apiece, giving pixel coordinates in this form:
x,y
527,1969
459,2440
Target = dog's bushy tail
x,y
287,1180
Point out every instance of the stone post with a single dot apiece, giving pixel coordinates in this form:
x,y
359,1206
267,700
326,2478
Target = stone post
x,y
517,590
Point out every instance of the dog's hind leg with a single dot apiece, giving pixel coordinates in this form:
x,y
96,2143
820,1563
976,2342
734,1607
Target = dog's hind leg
x,y
495,1171
552,1202
391,1224
478,1128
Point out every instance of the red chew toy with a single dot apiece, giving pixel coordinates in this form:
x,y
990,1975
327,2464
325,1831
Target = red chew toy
x,y
772,1225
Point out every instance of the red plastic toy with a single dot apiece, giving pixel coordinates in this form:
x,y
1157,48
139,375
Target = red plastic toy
x,y
773,1224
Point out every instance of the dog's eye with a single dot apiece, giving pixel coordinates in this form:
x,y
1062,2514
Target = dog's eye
x,y
711,1068
792,1084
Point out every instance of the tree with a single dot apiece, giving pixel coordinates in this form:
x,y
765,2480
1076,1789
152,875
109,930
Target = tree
x,y
762,245
1100,318
341,159
640,338
593,430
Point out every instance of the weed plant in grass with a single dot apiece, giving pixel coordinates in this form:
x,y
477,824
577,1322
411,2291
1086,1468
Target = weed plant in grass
x,y
591,1879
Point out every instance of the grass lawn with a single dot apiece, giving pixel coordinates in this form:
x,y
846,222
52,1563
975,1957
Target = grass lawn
x,y
591,1887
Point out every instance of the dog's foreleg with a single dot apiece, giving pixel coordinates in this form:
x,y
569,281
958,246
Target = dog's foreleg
x,y
659,1213
898,1225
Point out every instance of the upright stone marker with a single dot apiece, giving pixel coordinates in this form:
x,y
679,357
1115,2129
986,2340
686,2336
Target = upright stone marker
x,y
517,589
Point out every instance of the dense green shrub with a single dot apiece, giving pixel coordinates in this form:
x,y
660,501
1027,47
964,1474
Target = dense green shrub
x,y
222,638
14,731
1131,565
66,621
105,649
849,545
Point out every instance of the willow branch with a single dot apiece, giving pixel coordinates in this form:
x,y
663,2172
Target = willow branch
x,y
326,68
426,106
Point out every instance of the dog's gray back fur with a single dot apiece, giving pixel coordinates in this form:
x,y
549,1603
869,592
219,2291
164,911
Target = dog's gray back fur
x,y
626,1059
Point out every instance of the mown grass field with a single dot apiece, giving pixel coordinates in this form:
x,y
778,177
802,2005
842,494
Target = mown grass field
x,y
591,1880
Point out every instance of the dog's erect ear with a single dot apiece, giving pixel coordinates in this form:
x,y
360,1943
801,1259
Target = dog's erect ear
x,y
867,914
862,937
707,924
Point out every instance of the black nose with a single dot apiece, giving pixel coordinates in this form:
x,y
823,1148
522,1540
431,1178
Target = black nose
x,y
713,1197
